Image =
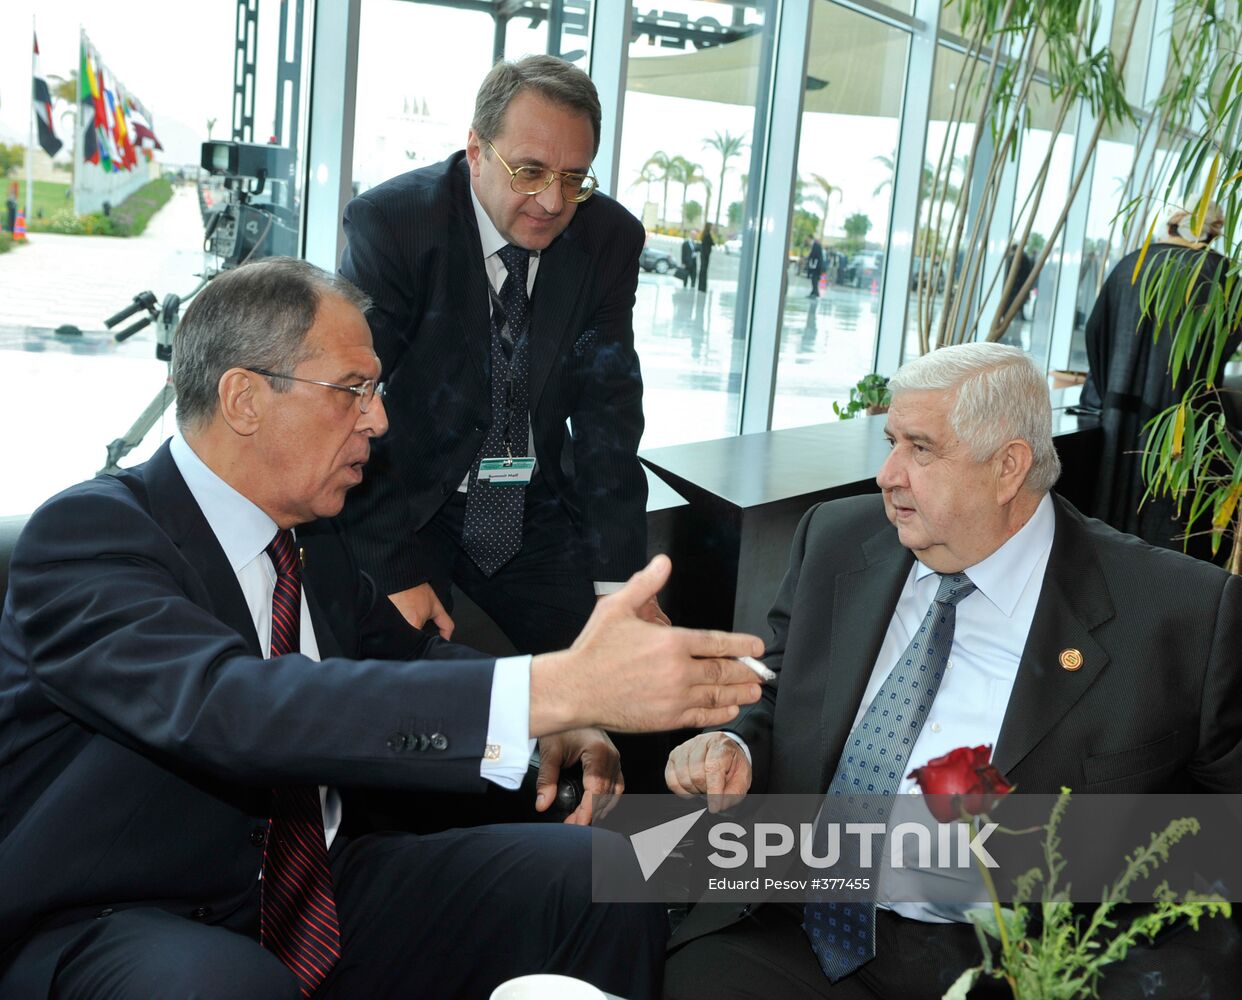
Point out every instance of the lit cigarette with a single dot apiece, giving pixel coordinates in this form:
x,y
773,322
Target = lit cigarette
x,y
764,673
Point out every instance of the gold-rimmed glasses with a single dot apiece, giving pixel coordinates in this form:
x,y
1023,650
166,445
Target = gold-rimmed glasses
x,y
529,180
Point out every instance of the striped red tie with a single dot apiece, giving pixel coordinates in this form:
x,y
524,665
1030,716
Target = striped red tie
x,y
298,914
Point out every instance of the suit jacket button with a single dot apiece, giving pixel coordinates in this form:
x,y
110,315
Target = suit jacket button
x,y
439,741
105,912
422,742
398,742
258,836
201,913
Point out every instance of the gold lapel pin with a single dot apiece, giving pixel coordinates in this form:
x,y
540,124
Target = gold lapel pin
x,y
1071,659
302,560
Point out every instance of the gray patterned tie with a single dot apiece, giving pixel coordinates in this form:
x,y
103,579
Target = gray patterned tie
x,y
492,529
875,757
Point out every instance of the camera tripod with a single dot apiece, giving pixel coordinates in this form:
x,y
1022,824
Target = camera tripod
x,y
165,316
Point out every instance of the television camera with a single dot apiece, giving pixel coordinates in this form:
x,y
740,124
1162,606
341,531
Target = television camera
x,y
235,232
242,227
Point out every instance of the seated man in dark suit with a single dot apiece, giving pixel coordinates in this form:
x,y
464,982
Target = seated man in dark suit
x,y
192,738
1084,656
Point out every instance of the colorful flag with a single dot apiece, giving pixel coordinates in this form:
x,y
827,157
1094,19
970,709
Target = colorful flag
x,y
140,128
43,108
86,109
101,116
114,124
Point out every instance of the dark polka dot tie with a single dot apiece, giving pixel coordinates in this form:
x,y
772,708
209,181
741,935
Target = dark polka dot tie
x,y
875,757
298,910
492,529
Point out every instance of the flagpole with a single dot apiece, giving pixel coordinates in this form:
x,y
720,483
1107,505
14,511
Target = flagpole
x,y
79,120
30,144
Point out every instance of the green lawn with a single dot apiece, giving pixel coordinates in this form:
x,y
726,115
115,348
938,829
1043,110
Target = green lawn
x,y
50,197
53,210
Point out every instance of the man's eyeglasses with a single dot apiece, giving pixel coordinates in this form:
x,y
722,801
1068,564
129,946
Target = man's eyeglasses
x,y
366,390
536,180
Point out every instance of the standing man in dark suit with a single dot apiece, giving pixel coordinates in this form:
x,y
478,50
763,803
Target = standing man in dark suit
x,y
1084,656
689,262
199,709
503,285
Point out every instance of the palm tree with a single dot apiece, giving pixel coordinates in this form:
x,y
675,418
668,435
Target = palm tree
x,y
707,199
646,176
952,190
686,172
728,146
659,164
828,189
890,166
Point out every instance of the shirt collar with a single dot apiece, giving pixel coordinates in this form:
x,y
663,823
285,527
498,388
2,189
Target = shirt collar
x,y
242,528
489,235
1003,575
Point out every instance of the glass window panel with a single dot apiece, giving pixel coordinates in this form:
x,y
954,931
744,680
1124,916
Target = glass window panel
x,y
692,82
1032,327
418,116
1135,70
950,133
1103,240
849,135
70,395
1108,239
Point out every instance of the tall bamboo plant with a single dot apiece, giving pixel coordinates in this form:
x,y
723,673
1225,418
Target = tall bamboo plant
x,y
1191,453
1017,52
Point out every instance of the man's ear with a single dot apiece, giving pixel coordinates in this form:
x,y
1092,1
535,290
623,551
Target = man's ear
x,y
474,152
243,396
1013,465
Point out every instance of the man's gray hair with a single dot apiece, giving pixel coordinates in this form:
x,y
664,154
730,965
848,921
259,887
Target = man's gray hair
x,y
255,316
1000,395
551,78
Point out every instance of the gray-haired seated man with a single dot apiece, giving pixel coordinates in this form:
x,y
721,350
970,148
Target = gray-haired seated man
x,y
1086,657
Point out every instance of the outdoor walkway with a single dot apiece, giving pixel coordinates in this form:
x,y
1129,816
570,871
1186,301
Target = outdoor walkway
x,y
82,280
66,398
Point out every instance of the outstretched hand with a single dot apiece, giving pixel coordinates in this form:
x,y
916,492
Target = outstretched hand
x,y
627,674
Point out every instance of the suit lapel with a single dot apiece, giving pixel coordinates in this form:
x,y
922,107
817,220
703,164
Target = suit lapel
x,y
564,269
863,601
1073,602
174,508
467,276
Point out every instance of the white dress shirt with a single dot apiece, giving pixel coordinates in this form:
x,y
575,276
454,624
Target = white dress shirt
x,y
244,532
988,639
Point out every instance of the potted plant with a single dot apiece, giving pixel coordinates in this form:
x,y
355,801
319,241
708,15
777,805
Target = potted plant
x,y
869,395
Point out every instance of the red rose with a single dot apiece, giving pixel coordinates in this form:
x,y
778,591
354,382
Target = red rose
x,y
963,780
